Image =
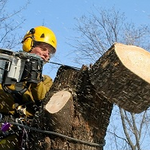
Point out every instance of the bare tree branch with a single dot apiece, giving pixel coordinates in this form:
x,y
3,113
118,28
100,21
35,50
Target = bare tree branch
x,y
125,129
96,34
8,38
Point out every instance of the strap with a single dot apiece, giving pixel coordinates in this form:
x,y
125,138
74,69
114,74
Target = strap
x,y
16,94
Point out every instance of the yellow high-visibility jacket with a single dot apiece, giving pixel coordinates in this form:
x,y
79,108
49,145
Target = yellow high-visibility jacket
x,y
35,92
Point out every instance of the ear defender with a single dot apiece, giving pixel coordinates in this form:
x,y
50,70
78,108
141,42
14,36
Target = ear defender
x,y
28,40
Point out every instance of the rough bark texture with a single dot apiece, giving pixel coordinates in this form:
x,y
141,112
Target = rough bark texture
x,y
85,117
117,83
112,79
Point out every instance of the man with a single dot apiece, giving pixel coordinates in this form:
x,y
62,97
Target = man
x,y
42,42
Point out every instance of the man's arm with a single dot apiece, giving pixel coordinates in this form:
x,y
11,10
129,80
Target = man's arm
x,y
39,90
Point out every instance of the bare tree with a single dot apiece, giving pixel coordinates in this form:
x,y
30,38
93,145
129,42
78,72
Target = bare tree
x,y
96,34
8,38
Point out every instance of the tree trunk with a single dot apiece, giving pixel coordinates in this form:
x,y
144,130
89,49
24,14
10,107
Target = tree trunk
x,y
121,75
83,118
77,108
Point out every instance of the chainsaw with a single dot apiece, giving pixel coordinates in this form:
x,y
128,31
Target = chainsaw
x,y
18,67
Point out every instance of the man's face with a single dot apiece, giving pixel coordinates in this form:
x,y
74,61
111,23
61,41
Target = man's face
x,y
43,50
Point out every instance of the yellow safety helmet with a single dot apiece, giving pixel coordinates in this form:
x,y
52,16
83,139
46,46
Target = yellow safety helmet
x,y
38,34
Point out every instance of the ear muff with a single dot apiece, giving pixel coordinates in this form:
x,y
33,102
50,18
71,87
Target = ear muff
x,y
27,44
28,40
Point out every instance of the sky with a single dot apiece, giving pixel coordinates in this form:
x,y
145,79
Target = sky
x,y
60,17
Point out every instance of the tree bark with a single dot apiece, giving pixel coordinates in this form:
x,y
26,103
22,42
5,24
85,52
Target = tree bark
x,y
79,118
121,75
84,117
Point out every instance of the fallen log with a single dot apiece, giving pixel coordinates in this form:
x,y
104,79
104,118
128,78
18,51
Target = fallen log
x,y
122,76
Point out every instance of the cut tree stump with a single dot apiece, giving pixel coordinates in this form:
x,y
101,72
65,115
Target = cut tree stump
x,y
58,101
77,108
122,76
83,117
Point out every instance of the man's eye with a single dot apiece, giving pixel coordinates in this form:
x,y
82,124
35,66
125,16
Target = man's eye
x,y
44,49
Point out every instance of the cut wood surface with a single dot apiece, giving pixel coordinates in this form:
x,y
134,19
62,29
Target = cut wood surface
x,y
122,76
136,59
58,101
